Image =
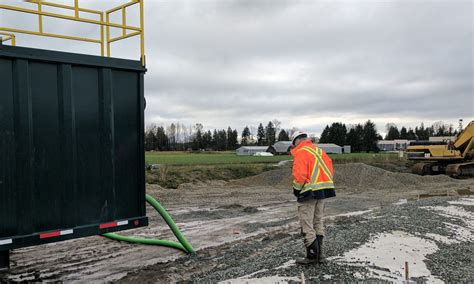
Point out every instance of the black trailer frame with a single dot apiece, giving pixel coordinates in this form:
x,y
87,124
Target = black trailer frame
x,y
72,160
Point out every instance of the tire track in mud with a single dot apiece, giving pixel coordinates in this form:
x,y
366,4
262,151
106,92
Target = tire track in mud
x,y
251,227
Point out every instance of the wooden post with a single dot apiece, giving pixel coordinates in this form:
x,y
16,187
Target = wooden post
x,y
407,275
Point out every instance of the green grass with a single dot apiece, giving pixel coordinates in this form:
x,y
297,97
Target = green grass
x,y
213,158
222,158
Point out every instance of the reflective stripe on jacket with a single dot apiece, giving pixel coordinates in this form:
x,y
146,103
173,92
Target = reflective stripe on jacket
x,y
312,172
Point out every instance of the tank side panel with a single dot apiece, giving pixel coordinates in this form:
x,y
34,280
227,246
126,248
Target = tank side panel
x,y
47,145
8,194
87,132
71,145
125,98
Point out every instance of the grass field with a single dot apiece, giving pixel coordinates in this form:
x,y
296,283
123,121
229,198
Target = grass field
x,y
221,158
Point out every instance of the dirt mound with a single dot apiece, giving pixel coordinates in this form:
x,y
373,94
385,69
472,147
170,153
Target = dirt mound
x,y
354,175
275,178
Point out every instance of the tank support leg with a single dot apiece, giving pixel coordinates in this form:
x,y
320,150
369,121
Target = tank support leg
x,y
4,260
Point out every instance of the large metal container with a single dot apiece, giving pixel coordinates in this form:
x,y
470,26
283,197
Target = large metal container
x,y
71,146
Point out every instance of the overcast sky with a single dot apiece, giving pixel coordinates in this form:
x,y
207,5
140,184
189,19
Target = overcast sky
x,y
306,63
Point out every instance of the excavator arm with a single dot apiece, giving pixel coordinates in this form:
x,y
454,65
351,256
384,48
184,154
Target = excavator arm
x,y
465,140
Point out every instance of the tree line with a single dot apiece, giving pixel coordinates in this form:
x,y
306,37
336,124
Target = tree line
x,y
177,137
420,133
361,137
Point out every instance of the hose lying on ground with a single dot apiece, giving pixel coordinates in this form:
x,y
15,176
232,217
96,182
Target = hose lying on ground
x,y
183,244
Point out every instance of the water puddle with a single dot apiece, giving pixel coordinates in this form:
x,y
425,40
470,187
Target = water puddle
x,y
385,256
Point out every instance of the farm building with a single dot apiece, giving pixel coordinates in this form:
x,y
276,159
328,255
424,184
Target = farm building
x,y
386,145
330,148
346,149
280,147
401,144
250,150
393,145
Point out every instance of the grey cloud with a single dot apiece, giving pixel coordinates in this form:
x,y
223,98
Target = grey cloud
x,y
243,62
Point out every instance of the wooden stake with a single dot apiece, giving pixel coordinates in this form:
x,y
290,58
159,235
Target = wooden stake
x,y
302,278
407,275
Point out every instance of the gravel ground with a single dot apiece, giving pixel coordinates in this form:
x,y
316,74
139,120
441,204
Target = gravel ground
x,y
267,255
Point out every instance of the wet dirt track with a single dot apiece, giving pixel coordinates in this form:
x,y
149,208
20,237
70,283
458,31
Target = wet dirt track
x,y
246,231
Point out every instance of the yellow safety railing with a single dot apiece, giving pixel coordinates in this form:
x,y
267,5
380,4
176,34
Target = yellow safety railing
x,y
103,22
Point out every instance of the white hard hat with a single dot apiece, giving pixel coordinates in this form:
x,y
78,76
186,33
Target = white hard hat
x,y
298,134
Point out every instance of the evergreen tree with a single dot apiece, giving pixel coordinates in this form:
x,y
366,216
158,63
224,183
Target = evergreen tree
x,y
222,140
150,139
370,137
162,142
245,136
355,138
411,134
325,135
207,139
260,135
231,140
283,136
403,133
197,142
392,132
270,134
336,133
215,140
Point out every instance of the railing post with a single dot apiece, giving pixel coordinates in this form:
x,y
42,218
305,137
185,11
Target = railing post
x,y
142,34
76,8
124,21
40,17
102,34
107,29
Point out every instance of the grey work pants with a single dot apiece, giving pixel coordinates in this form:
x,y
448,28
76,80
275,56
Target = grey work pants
x,y
311,213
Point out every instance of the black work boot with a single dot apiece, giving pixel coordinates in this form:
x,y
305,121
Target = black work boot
x,y
312,253
319,240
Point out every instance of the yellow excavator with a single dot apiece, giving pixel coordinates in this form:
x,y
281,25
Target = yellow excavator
x,y
452,158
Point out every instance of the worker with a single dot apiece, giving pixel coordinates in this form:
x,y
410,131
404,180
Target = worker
x,y
313,183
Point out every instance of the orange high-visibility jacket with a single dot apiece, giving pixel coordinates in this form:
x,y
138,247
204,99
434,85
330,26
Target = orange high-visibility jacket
x,y
312,172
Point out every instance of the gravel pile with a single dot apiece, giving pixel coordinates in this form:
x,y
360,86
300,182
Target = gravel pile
x,y
354,175
274,178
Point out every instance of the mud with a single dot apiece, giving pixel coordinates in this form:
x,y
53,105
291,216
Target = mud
x,y
246,230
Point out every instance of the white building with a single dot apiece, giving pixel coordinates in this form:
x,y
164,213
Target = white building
x,y
280,147
346,149
386,145
250,150
401,144
393,145
330,148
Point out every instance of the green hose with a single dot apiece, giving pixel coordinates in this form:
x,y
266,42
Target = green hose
x,y
183,244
